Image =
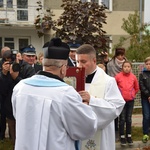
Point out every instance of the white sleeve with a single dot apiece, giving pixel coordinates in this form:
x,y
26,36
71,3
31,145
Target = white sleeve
x,y
110,107
78,118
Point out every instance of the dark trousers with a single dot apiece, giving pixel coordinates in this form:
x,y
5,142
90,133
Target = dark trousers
x,y
116,124
12,129
126,118
146,115
2,119
77,145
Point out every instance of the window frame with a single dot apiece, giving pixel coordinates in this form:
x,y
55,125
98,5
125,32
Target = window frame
x,y
23,10
100,1
15,41
5,4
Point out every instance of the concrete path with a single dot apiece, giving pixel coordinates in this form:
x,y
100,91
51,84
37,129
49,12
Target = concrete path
x,y
136,121
138,145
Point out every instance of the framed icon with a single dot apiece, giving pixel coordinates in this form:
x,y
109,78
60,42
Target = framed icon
x,y
75,77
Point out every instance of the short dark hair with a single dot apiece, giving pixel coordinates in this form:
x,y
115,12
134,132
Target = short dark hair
x,y
7,54
119,51
86,49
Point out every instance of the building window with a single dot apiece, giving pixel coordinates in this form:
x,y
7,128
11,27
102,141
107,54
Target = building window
x,y
95,1
9,42
107,3
9,3
22,15
14,42
23,42
22,10
22,3
1,4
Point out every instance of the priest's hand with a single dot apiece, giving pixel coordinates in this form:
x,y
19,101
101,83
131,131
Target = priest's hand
x,y
85,97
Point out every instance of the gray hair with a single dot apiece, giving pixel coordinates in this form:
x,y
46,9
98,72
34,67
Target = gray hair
x,y
53,62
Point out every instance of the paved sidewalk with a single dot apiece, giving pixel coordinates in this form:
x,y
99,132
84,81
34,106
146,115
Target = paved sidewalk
x,y
136,121
137,145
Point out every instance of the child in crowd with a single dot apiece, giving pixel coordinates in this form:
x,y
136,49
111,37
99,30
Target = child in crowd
x,y
128,85
144,82
113,67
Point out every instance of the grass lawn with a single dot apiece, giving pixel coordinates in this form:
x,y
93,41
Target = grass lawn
x,y
137,111
6,145
137,133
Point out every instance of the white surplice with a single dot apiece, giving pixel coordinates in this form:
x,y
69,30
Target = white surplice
x,y
50,115
107,103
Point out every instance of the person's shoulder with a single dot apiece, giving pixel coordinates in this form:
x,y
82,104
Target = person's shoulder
x,y
24,63
38,66
19,84
110,64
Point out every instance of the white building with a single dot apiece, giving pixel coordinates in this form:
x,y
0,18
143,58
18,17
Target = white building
x,y
17,24
17,20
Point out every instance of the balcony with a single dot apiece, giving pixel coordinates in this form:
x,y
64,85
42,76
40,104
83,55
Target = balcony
x,y
18,16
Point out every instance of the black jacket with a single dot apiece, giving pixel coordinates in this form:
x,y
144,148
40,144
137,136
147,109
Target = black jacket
x,y
70,63
7,84
38,68
144,83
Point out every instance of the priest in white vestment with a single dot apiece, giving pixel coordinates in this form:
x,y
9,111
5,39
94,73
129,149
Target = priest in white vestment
x,y
102,94
50,114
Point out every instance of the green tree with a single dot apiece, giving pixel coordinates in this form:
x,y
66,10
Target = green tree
x,y
138,49
80,21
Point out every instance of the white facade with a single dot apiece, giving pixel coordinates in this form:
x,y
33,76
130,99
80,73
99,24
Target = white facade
x,y
147,11
17,24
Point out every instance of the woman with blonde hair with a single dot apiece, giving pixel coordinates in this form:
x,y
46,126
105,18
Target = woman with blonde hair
x,y
40,58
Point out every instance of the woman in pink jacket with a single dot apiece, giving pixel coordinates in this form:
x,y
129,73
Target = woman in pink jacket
x,y
128,85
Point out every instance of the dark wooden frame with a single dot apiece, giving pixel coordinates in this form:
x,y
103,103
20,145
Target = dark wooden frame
x,y
79,74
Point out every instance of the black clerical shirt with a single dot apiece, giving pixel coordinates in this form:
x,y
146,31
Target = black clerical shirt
x,y
90,77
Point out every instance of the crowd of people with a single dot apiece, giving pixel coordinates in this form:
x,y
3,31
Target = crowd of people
x,y
43,112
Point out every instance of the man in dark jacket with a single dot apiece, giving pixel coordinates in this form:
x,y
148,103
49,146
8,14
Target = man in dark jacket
x,y
12,72
29,56
72,55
